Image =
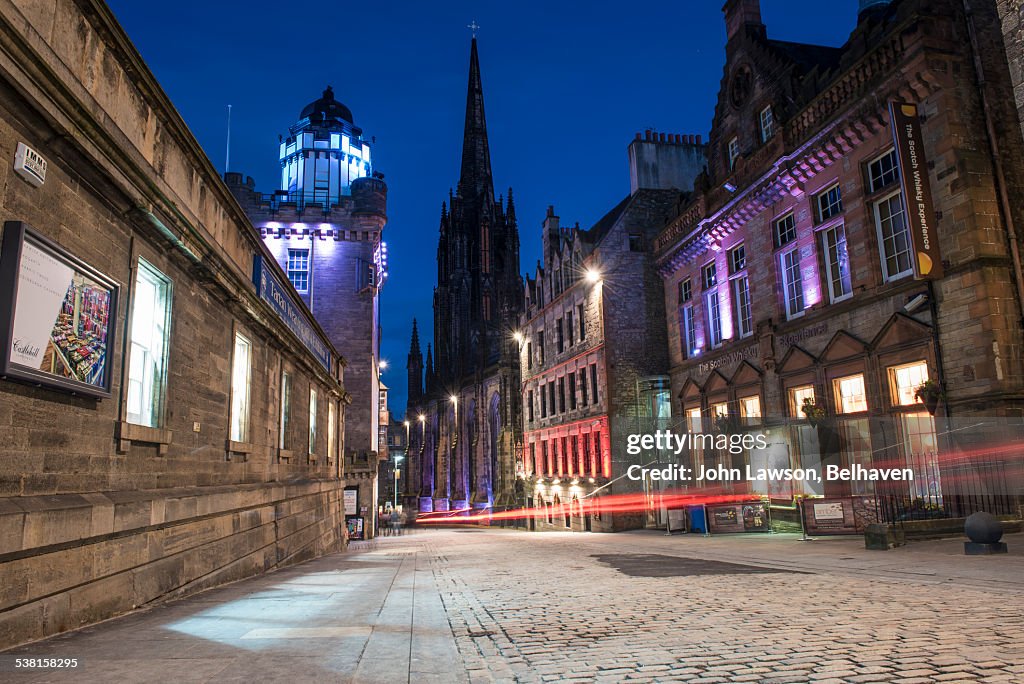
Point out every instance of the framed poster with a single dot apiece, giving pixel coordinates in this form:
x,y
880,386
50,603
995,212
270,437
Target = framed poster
x,y
830,516
354,524
351,500
57,316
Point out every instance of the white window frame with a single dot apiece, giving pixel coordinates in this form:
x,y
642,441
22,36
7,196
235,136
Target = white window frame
x,y
832,271
848,403
713,314
796,395
734,152
286,409
909,390
742,305
792,287
689,333
750,408
295,267
331,432
777,235
883,253
241,386
146,386
767,121
822,203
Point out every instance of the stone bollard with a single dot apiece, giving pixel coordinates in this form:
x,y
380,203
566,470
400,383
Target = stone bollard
x,y
984,532
882,537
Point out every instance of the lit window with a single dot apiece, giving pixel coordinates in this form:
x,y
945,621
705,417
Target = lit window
x,y
850,394
905,380
883,171
147,368
734,152
785,230
241,371
709,275
837,263
744,314
893,237
330,430
737,259
797,397
792,284
286,409
312,420
830,203
714,316
689,334
750,408
298,269
767,119
685,291
719,410
693,419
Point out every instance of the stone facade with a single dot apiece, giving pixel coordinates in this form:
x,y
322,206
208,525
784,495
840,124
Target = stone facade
x,y
99,515
788,275
463,454
592,346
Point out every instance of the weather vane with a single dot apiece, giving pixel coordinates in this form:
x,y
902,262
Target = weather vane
x,y
473,27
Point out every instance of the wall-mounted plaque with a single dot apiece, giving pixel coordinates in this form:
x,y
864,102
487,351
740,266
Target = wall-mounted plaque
x,y
57,316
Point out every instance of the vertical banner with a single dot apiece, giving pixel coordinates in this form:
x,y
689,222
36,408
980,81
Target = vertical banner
x,y
906,133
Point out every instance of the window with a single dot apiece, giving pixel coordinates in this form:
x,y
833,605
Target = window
x,y
593,382
693,419
597,454
837,263
719,410
560,335
330,430
150,334
850,394
543,401
572,391
561,394
905,380
709,275
636,242
737,259
529,355
685,291
241,371
830,203
741,299
893,237
540,346
569,328
312,420
529,406
551,397
298,269
785,230
797,396
883,171
714,318
750,409
767,120
734,152
792,284
689,334
286,410
583,323
583,387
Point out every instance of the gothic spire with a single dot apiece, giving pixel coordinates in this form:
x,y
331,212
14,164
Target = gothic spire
x,y
510,210
414,366
475,180
414,346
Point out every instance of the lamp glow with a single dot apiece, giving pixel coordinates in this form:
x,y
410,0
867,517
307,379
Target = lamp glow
x,y
593,275
517,336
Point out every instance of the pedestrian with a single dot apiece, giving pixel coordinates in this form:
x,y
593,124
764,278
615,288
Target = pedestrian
x,y
394,521
382,522
403,521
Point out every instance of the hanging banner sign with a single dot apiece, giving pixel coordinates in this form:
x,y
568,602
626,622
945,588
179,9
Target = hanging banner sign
x,y
274,293
906,133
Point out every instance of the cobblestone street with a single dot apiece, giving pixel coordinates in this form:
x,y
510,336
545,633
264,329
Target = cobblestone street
x,y
491,605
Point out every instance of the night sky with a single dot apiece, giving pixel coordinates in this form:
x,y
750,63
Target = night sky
x,y
566,86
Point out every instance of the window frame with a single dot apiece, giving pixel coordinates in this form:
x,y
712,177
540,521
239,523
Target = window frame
x,y
766,123
158,385
839,398
733,151
835,209
796,284
839,228
243,419
306,272
777,235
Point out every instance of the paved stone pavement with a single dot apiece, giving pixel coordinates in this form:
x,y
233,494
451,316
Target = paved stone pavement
x,y
475,605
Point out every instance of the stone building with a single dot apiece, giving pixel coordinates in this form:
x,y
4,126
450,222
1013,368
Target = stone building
x,y
465,399
141,454
796,280
325,228
593,351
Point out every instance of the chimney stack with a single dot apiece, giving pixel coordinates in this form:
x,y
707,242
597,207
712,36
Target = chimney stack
x,y
742,14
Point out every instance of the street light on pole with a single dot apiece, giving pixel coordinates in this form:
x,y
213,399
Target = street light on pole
x,y
398,459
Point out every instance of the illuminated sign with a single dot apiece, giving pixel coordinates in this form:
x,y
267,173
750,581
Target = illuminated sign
x,y
30,165
906,132
277,295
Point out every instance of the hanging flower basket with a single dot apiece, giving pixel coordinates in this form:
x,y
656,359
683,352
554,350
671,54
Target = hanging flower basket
x,y
930,394
814,412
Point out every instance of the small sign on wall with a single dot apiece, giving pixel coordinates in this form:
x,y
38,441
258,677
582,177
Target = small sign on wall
x,y
30,165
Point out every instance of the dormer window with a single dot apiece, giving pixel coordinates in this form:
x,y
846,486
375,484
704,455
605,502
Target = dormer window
x,y
767,119
734,152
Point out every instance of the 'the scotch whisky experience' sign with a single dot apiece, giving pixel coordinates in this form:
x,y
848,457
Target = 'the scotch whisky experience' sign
x,y
906,133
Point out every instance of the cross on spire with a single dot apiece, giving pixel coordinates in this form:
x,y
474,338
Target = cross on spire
x,y
474,27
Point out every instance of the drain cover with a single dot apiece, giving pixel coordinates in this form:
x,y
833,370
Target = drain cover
x,y
655,565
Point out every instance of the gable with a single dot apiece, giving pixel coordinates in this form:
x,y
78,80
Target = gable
x,y
843,346
796,360
901,331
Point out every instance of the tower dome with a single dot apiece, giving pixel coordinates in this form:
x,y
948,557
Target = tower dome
x,y
328,108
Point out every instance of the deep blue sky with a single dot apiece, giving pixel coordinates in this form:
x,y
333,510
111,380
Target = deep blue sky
x,y
567,84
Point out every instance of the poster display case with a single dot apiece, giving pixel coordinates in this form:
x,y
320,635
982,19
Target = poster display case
x,y
57,316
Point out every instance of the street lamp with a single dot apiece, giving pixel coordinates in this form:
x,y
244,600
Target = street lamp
x,y
518,336
382,364
593,275
398,459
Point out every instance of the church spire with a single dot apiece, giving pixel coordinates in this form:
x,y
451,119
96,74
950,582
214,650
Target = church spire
x,y
475,181
415,366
